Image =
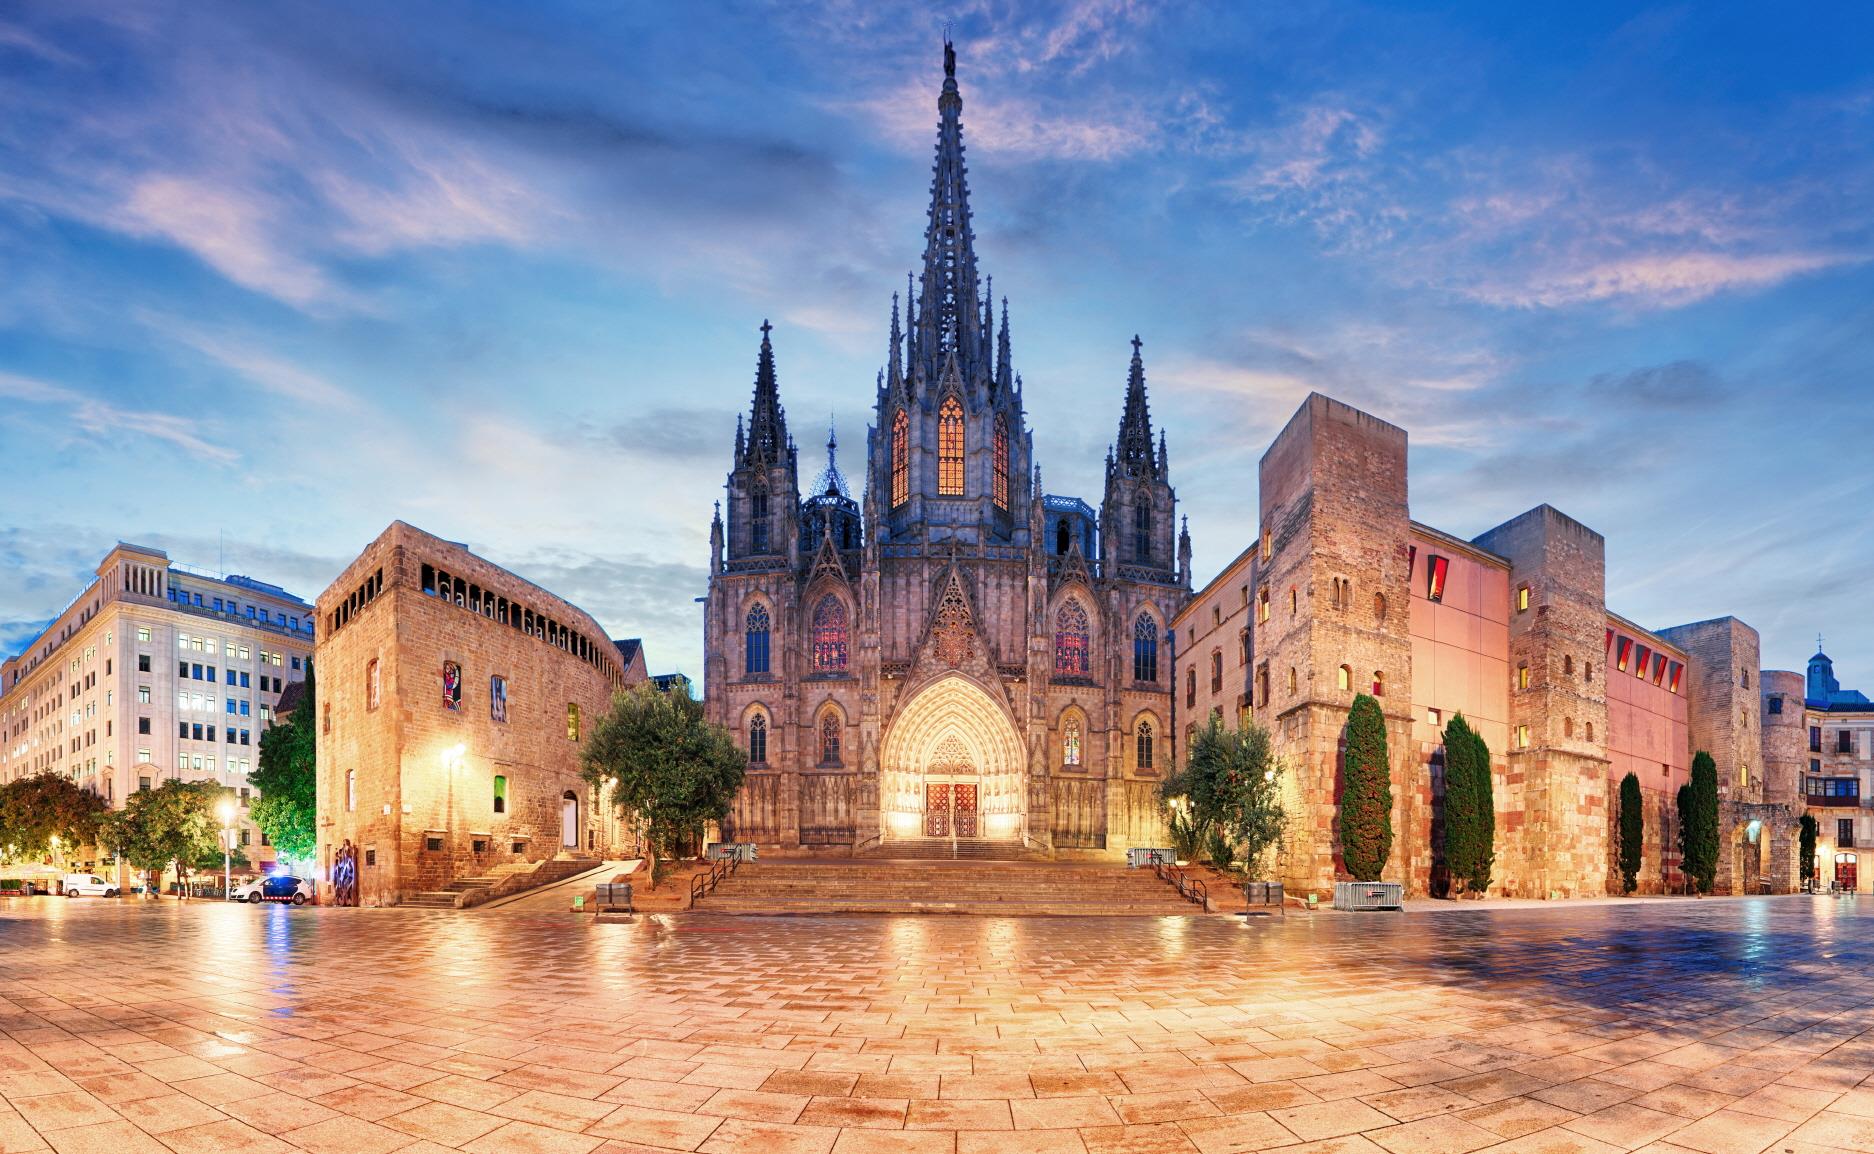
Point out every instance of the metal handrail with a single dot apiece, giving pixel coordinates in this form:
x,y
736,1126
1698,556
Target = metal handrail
x,y
1189,888
701,885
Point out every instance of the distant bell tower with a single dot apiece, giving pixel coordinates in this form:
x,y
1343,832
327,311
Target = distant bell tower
x,y
764,485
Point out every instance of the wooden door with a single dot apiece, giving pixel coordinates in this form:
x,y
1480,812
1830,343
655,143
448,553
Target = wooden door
x,y
963,800
1845,872
936,809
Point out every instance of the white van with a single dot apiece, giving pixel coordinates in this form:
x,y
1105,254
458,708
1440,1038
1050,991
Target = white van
x,y
90,885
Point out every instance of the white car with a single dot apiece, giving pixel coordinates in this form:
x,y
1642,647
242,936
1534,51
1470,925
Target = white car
x,y
88,885
278,888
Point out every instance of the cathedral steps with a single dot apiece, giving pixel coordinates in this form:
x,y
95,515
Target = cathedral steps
x,y
943,849
997,888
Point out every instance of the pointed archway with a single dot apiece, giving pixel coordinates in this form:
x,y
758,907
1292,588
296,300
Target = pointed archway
x,y
952,742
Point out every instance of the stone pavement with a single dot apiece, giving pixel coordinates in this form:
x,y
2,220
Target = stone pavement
x,y
1740,1026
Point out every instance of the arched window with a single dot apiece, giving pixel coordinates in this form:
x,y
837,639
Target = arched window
x,y
758,739
1142,533
1002,463
1063,537
755,642
1379,608
1590,731
1379,684
1070,741
900,459
501,793
950,448
1190,688
351,789
1145,649
1144,742
758,521
1293,683
1072,654
1216,671
829,737
829,635
1344,679
1568,666
1242,646
1568,727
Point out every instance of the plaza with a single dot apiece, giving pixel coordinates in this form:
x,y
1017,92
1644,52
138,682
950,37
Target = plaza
x,y
1726,1025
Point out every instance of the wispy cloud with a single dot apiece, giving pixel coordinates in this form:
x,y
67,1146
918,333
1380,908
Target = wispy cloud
x,y
105,419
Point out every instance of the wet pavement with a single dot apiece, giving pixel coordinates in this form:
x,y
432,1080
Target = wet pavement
x,y
1718,1026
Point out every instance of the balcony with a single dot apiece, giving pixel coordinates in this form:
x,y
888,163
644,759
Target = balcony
x,y
1832,792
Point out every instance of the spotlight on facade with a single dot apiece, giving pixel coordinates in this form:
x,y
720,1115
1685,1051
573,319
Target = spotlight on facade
x,y
452,757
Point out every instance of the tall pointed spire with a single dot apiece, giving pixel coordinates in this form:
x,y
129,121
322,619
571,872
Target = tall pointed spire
x,y
949,306
1005,379
767,422
895,366
1134,448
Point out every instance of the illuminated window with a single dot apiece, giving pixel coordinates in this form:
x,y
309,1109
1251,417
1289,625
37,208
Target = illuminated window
x,y
1522,737
1379,684
1435,718
758,739
1522,598
572,721
1642,656
1293,682
373,685
1436,570
1659,668
1268,543
1144,743
1072,656
1344,678
1242,645
1070,741
1002,463
501,793
900,459
755,642
1262,605
829,635
1623,654
829,738
950,448
1522,676
1145,649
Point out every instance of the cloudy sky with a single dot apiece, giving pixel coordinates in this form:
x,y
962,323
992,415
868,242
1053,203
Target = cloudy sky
x,y
274,275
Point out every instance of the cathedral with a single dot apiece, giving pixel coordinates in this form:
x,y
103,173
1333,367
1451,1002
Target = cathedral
x,y
956,658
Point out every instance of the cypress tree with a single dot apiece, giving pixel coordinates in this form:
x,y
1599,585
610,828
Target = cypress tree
x,y
1632,833
1805,847
1470,808
1486,819
1683,801
1366,793
1702,832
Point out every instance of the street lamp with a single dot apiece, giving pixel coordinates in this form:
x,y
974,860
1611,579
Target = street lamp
x,y
224,809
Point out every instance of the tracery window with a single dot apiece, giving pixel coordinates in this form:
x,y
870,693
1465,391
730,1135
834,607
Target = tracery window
x,y
1072,653
1145,649
1142,533
758,521
758,739
1070,741
950,449
829,635
1144,742
755,641
900,459
829,738
1002,463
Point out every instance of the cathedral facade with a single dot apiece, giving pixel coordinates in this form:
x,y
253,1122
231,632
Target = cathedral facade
x,y
956,656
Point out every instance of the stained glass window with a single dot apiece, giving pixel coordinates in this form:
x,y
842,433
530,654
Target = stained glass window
x,y
1145,649
829,635
755,648
1072,657
950,448
758,739
1002,463
829,738
1145,745
900,459
1070,742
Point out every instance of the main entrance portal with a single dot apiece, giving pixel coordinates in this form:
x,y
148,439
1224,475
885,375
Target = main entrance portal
x,y
952,766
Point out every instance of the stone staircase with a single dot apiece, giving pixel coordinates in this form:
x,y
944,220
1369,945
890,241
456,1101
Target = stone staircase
x,y
997,888
943,849
502,880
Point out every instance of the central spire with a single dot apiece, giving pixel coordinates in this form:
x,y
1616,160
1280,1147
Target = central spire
x,y
949,312
1134,450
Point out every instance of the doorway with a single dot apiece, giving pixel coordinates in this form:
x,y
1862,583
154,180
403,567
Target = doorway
x,y
950,809
1845,871
569,820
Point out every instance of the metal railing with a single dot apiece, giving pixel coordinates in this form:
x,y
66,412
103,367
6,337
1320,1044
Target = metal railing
x,y
701,885
1191,889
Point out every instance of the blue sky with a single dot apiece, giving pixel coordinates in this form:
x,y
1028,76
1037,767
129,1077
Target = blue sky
x,y
274,275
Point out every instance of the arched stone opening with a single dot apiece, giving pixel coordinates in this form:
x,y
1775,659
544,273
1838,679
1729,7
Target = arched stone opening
x,y
952,765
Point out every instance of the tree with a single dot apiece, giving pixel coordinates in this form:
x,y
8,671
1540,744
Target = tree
x,y
1702,826
665,763
1366,792
1470,824
34,810
1683,802
1234,784
1632,833
1805,847
287,779
171,824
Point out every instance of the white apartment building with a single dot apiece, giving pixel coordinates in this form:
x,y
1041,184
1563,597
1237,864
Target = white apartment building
x,y
155,671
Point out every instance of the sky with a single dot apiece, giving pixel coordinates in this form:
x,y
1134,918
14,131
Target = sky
x,y
272,276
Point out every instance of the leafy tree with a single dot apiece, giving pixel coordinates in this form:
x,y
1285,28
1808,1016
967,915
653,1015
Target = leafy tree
x,y
287,780
1470,823
1632,833
666,764
1366,792
173,824
1232,782
1702,826
1805,846
34,810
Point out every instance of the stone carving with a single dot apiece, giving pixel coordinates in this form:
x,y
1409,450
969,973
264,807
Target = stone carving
x,y
953,638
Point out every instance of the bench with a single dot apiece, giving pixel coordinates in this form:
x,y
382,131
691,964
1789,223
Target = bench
x,y
614,895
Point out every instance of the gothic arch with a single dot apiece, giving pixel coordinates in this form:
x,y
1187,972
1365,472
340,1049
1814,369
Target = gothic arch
x,y
953,712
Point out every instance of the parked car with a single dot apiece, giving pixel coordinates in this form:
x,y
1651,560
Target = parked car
x,y
278,888
88,885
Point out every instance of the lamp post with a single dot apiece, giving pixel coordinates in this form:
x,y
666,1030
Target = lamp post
x,y
224,809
